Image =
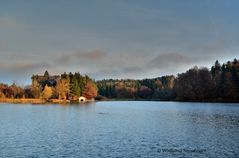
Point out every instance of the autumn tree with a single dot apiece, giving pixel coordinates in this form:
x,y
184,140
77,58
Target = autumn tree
x,y
120,90
91,90
47,92
18,92
2,94
145,92
28,92
2,87
35,89
155,88
63,88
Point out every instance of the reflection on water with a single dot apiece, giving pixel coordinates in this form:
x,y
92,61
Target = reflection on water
x,y
120,129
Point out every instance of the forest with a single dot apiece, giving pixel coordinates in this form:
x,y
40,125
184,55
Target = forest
x,y
65,86
219,83
157,88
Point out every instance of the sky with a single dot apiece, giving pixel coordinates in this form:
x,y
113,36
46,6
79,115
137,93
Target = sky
x,y
115,38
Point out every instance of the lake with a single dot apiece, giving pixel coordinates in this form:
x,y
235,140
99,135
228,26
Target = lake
x,y
120,129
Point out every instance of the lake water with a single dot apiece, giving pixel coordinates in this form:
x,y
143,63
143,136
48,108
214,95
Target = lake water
x,y
120,129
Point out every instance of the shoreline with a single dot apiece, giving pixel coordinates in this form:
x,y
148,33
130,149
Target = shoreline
x,y
161,100
41,101
59,101
32,101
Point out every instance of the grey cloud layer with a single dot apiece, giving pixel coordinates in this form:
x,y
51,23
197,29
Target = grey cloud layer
x,y
80,56
172,60
100,64
20,72
120,39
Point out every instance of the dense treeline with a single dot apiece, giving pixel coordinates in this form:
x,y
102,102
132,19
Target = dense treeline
x,y
12,91
66,86
156,88
220,83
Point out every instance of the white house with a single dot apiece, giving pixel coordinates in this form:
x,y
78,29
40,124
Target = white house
x,y
82,99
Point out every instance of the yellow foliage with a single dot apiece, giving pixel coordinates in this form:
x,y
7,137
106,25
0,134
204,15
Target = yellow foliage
x,y
47,92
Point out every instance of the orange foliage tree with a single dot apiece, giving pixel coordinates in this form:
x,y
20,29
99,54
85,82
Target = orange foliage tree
x,y
63,88
91,90
47,92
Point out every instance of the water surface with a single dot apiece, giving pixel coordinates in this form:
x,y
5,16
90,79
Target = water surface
x,y
120,129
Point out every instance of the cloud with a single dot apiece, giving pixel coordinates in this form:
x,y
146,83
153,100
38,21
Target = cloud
x,y
119,72
26,67
171,63
91,56
172,59
98,60
19,71
99,64
143,67
132,69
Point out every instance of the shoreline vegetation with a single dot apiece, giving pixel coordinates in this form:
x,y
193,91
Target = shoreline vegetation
x,y
219,84
38,101
64,102
32,101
